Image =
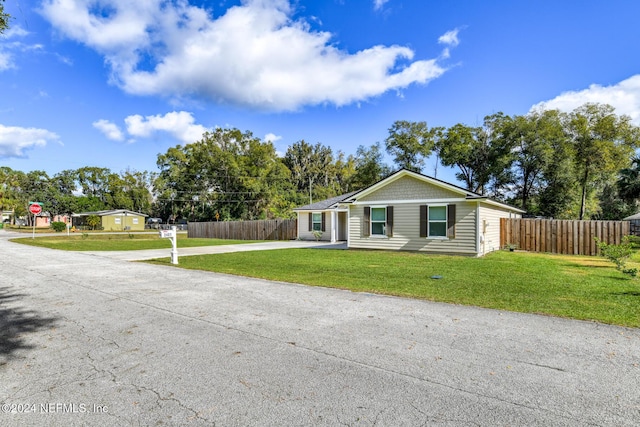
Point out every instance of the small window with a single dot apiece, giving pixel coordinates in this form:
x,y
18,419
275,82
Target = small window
x,y
437,221
378,221
117,220
135,221
316,222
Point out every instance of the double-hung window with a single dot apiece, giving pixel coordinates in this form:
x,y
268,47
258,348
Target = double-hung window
x,y
379,221
437,221
316,221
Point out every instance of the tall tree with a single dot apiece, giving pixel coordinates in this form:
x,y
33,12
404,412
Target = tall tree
x,y
34,188
11,194
557,189
369,165
94,182
629,181
227,175
533,138
499,174
612,205
59,197
482,154
342,172
311,169
137,187
410,143
603,143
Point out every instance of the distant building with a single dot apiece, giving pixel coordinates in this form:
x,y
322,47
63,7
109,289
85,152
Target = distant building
x,y
112,220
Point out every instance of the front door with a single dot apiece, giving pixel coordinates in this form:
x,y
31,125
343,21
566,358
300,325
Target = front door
x,y
342,226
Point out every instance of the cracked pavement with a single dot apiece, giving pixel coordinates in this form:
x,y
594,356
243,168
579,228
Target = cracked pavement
x,y
89,340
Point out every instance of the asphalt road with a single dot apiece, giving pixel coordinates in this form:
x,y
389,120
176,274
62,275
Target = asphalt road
x,y
91,340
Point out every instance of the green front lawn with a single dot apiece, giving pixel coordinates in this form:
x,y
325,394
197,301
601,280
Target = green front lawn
x,y
119,242
579,287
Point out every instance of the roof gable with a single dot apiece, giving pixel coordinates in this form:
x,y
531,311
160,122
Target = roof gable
x,y
408,185
405,185
406,177
410,188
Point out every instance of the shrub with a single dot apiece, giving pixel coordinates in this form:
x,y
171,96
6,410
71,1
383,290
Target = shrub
x,y
317,234
93,221
58,226
618,254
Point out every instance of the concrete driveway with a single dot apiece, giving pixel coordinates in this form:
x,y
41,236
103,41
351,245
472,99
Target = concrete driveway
x,y
208,250
88,340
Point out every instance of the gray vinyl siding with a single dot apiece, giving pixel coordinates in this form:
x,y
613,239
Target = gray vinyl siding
x,y
409,188
303,226
491,216
406,231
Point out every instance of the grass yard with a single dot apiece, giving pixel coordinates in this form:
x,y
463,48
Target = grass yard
x,y
587,288
119,242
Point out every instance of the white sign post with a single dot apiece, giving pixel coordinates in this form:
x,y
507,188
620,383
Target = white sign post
x,y
171,234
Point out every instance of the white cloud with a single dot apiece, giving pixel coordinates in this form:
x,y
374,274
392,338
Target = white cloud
x,y
8,49
15,31
6,61
377,4
110,130
623,96
254,55
450,38
271,137
179,124
15,140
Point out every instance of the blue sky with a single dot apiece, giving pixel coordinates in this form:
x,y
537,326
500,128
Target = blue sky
x,y
113,83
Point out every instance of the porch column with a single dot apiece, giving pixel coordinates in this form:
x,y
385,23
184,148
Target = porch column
x,y
334,222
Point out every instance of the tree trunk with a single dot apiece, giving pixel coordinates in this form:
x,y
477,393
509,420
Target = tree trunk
x,y
583,200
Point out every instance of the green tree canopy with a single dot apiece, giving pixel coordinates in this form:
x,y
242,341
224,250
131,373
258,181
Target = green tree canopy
x,y
4,18
228,173
482,154
410,143
534,139
602,144
369,166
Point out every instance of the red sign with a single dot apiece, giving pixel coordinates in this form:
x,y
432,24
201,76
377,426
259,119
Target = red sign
x,y
35,209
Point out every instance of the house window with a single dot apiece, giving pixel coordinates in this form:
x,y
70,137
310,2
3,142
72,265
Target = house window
x,y
316,222
378,221
437,221
117,220
135,221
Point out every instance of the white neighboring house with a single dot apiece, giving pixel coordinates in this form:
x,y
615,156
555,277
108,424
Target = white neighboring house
x,y
409,211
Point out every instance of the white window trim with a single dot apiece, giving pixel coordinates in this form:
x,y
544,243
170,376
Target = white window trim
x,y
316,222
446,221
378,236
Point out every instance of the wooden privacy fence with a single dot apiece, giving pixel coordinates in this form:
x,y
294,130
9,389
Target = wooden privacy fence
x,y
278,229
560,236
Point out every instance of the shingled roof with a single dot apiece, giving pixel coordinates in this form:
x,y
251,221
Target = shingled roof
x,y
325,204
